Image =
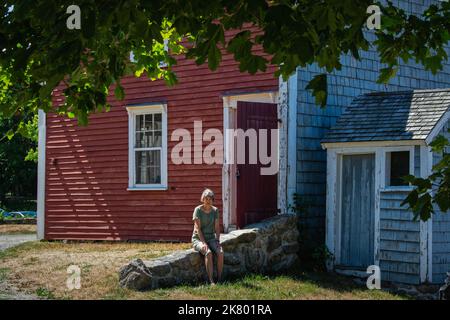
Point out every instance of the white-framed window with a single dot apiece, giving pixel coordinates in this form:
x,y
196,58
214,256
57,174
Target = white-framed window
x,y
399,162
147,147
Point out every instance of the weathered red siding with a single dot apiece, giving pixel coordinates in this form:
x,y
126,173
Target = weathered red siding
x,y
87,167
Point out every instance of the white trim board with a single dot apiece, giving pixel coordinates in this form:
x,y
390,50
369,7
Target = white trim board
x,y
438,127
41,174
426,228
372,144
292,138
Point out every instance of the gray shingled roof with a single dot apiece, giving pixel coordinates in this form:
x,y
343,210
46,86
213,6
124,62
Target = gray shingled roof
x,y
405,115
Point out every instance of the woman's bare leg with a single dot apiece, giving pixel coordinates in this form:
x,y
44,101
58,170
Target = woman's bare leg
x,y
219,265
209,265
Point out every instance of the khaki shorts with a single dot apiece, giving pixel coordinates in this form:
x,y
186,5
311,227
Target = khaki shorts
x,y
212,245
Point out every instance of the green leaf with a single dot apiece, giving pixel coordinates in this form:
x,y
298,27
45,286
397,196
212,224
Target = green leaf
x,y
119,92
439,143
318,85
387,74
214,57
10,134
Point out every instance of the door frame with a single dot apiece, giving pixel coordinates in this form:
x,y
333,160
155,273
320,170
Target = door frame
x,y
334,196
334,181
229,183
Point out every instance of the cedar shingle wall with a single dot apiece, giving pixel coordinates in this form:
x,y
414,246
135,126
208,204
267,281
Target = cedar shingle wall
x,y
441,231
354,79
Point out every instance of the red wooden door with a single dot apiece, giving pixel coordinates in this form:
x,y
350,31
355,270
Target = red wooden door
x,y
256,193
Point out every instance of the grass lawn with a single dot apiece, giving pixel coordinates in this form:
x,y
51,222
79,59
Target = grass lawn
x,y
40,268
17,228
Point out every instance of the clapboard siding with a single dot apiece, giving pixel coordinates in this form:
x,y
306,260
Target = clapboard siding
x,y
399,240
441,231
354,78
86,188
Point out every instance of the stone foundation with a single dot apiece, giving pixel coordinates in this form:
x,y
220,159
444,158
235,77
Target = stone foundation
x,y
265,247
444,291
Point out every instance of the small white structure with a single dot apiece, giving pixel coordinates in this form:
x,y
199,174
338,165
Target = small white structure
x,y
380,138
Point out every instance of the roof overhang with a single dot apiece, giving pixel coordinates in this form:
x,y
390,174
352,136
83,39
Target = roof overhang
x,y
386,143
438,127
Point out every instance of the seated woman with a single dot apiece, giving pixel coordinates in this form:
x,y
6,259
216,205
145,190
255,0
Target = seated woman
x,y
206,235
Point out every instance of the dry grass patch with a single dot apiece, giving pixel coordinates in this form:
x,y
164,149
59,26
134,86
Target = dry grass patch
x,y
40,268
17,228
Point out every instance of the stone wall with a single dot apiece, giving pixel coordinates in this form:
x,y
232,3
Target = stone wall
x,y
265,247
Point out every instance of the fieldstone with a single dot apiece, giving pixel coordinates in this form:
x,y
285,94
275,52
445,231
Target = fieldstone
x,y
195,258
166,282
159,268
291,248
232,271
180,259
444,291
263,227
231,259
290,236
253,259
273,243
266,246
275,257
135,275
238,237
257,243
284,263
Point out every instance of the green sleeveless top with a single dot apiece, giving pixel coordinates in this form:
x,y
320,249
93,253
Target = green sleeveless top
x,y
207,222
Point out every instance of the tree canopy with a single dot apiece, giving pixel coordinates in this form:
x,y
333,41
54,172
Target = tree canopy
x,y
38,51
17,176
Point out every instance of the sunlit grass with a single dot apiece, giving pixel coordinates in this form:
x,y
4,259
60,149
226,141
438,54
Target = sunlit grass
x,y
40,268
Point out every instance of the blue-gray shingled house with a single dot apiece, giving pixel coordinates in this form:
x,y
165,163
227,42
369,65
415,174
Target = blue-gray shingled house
x,y
307,166
379,139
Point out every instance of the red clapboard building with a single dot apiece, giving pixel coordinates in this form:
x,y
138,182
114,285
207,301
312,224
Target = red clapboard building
x,y
115,180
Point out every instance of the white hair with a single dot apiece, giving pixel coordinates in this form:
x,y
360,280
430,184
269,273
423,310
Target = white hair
x,y
207,193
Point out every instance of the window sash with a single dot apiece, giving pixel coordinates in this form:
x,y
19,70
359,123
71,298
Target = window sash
x,y
142,119
144,169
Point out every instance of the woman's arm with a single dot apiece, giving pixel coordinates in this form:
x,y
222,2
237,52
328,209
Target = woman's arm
x,y
198,229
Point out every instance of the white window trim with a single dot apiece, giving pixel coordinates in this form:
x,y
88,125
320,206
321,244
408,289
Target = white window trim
x,y
132,112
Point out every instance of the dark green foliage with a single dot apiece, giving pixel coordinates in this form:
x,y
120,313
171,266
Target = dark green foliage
x,y
38,51
420,201
313,254
17,176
